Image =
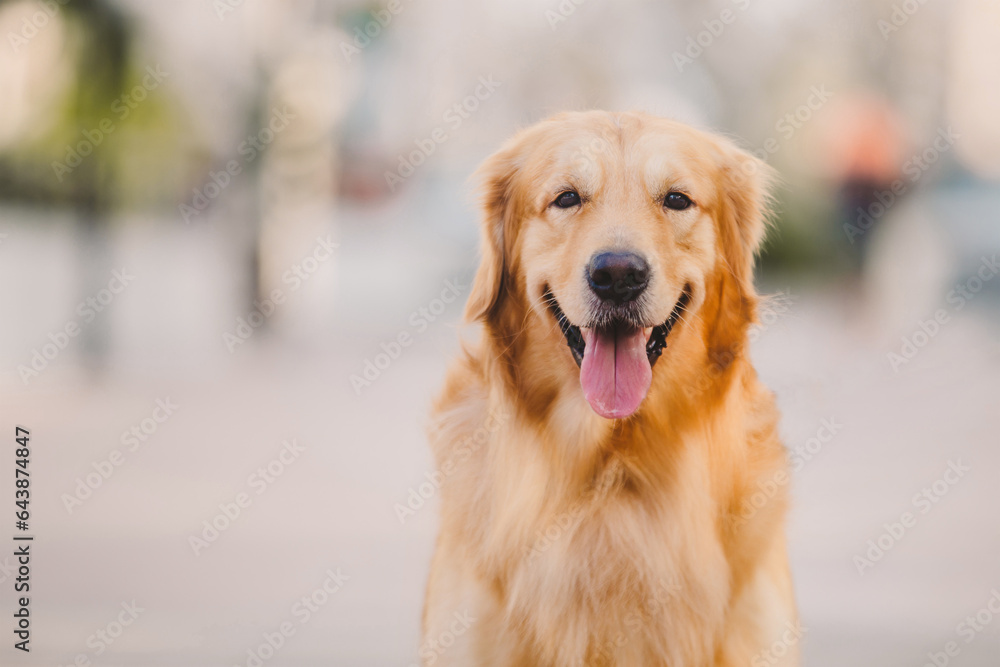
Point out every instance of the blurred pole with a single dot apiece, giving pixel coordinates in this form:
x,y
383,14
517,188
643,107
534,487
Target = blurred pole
x,y
304,98
100,79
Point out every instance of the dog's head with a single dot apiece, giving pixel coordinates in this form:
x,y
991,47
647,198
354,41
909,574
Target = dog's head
x,y
609,236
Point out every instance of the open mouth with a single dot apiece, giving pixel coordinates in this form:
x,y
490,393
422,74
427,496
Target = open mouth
x,y
655,343
616,356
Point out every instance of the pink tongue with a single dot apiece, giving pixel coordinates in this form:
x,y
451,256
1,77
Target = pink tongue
x,y
615,372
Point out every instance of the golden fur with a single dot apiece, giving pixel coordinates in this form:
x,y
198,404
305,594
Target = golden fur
x,y
568,539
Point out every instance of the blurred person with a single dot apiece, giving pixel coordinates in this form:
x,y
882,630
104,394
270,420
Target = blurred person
x,y
864,148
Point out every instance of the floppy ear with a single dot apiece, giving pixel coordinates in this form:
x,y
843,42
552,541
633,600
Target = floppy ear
x,y
743,207
496,178
748,196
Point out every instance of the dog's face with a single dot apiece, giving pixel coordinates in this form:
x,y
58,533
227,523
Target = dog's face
x,y
611,232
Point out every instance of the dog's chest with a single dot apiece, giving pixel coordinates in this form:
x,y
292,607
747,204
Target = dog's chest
x,y
614,579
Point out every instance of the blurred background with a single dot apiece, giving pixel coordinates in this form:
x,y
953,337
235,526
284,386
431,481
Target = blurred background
x,y
235,240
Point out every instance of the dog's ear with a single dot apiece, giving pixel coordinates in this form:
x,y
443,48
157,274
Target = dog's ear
x,y
744,203
496,181
748,183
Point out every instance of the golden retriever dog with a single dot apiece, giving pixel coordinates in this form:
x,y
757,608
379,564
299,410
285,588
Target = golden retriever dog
x,y
612,484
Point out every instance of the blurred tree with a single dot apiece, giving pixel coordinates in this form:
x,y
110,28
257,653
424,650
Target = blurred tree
x,y
97,40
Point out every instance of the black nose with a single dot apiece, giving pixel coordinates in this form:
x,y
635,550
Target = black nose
x,y
617,276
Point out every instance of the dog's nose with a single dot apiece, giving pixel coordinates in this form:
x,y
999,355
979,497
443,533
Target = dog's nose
x,y
617,276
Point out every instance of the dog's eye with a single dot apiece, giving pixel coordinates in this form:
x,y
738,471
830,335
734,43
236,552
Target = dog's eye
x,y
677,201
567,199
